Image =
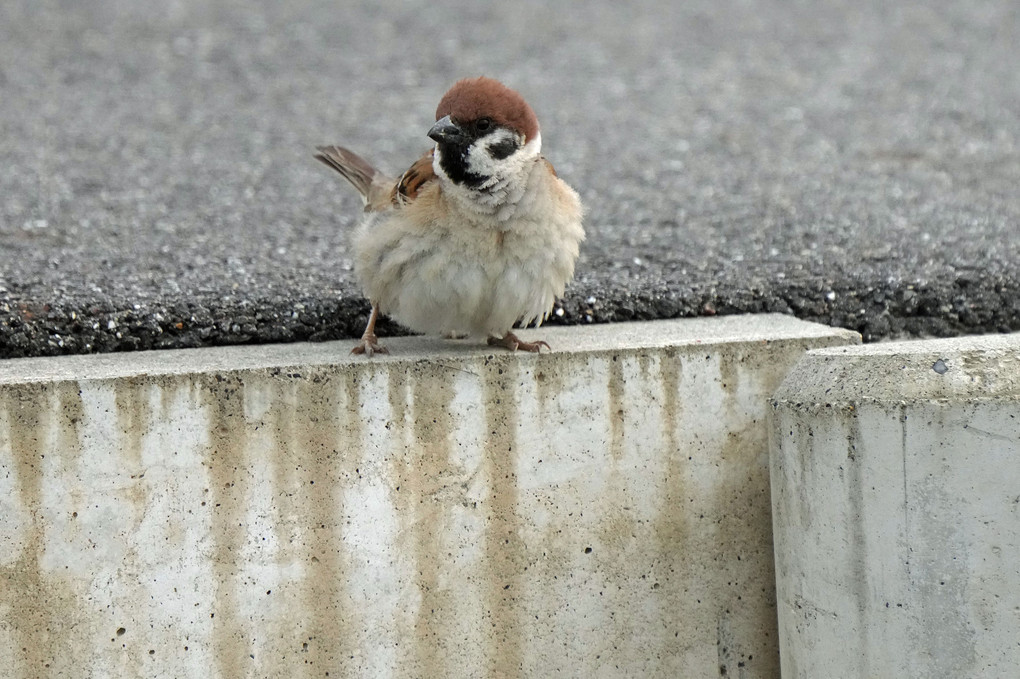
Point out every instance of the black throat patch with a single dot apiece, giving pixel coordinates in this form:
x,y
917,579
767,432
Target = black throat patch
x,y
453,160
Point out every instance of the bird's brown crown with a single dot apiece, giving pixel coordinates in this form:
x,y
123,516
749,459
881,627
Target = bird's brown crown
x,y
473,98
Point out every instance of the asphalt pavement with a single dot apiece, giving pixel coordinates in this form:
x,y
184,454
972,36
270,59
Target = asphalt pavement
x,y
852,163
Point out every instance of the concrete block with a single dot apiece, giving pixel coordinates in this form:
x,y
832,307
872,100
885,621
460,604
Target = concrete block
x,y
444,511
896,501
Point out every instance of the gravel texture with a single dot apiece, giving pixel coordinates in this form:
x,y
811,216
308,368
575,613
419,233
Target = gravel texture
x,y
856,164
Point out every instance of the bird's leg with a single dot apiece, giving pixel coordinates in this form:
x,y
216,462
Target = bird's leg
x,y
513,343
369,343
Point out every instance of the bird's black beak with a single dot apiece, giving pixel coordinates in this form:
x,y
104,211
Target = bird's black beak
x,y
445,131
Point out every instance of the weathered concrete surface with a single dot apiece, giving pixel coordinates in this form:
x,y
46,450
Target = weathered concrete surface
x,y
896,500
445,511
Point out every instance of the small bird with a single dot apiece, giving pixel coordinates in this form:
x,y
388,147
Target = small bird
x,y
479,234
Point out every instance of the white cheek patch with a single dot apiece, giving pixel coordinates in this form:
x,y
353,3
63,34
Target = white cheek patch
x,y
481,161
505,178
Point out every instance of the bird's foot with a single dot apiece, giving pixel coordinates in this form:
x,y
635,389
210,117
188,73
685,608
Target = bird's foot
x,y
369,345
513,343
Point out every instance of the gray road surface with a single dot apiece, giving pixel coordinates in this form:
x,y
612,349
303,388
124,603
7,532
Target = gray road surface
x,y
854,163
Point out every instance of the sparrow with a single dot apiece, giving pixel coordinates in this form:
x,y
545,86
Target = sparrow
x,y
478,235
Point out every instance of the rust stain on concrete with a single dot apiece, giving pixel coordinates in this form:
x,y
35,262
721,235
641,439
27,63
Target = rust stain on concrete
x,y
428,478
23,591
229,481
70,417
616,394
549,385
746,621
672,526
301,416
317,445
134,418
505,551
41,605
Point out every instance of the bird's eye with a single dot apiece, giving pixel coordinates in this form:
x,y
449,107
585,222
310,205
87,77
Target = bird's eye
x,y
483,124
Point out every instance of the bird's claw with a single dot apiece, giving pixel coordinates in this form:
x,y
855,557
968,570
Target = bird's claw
x,y
369,345
514,343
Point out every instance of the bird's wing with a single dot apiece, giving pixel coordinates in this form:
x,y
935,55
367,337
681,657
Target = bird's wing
x,y
413,180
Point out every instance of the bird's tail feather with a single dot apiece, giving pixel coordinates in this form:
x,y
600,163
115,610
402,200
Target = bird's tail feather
x,y
353,167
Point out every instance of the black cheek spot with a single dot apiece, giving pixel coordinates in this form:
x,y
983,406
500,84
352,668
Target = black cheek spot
x,y
502,149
